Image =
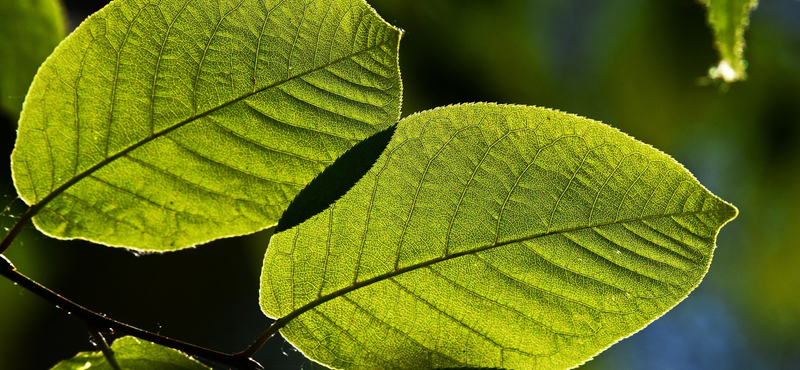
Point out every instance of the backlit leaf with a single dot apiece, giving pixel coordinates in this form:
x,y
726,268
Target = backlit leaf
x,y
161,125
729,19
133,354
493,236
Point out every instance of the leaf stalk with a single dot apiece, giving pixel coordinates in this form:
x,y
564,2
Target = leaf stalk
x,y
100,343
264,337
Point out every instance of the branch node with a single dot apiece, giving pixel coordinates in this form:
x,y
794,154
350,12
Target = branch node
x,y
6,264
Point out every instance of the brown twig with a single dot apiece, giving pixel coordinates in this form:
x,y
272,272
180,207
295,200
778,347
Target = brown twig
x,y
99,322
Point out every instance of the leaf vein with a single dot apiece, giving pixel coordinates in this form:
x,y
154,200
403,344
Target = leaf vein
x,y
187,182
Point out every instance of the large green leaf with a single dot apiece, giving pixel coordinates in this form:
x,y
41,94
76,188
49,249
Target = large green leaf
x,y
729,19
493,236
161,125
29,30
133,354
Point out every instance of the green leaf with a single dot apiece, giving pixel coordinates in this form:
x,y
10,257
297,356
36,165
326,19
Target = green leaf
x,y
158,126
29,30
493,236
133,354
729,19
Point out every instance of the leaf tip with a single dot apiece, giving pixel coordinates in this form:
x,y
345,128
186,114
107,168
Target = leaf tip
x,y
725,71
728,23
731,211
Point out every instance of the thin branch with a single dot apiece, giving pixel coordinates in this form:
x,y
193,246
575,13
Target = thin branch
x,y
98,322
100,342
15,230
102,323
5,264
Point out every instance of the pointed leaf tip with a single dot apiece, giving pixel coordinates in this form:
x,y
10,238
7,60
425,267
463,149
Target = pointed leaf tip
x,y
493,236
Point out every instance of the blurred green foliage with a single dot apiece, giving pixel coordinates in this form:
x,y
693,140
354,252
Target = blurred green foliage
x,y
729,19
29,31
633,64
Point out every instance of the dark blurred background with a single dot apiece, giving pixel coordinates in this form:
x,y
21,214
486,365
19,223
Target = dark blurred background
x,y
634,64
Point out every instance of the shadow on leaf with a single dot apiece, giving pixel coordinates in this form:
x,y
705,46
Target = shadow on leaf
x,y
336,180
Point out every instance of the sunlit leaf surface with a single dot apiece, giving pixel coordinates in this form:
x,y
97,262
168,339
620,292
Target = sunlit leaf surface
x,y
729,19
161,125
493,236
29,30
133,354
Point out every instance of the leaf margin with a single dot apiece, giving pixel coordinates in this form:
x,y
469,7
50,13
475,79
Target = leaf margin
x,y
730,211
40,203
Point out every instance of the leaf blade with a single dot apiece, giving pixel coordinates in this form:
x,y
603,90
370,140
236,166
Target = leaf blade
x,y
493,236
156,97
133,354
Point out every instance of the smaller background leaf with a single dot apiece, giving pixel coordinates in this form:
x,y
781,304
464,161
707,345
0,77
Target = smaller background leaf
x,y
29,30
133,354
729,19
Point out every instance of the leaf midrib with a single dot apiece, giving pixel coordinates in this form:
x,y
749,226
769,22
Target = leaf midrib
x,y
283,321
75,179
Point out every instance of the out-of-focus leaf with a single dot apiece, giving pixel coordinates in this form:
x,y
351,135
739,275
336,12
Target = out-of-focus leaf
x,y
729,19
161,125
133,354
29,30
493,236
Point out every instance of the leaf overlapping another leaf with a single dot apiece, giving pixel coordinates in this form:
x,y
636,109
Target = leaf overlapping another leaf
x,y
158,126
493,236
